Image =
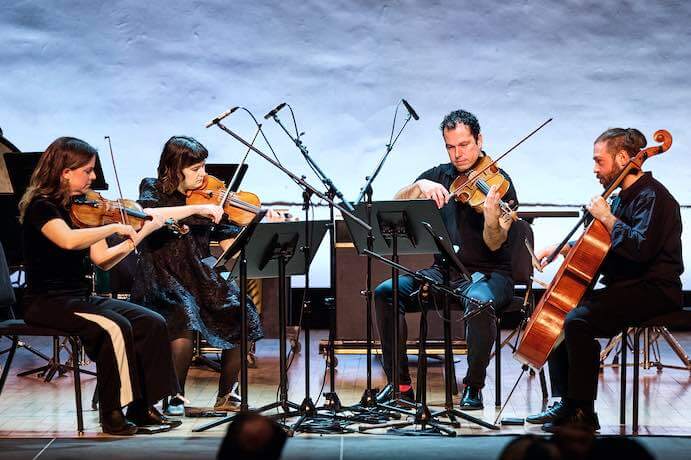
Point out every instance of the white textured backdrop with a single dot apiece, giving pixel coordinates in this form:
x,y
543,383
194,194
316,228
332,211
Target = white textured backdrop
x,y
143,71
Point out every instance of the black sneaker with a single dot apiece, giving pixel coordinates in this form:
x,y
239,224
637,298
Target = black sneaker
x,y
472,399
584,419
548,415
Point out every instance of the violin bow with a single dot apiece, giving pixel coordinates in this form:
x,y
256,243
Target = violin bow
x,y
123,214
506,153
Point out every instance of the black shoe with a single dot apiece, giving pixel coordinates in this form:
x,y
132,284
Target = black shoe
x,y
578,418
114,422
386,394
472,399
552,412
150,416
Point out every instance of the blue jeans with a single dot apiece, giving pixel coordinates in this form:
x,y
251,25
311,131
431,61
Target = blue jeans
x,y
481,328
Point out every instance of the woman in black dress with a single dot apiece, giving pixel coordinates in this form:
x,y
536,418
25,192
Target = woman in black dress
x,y
127,342
172,279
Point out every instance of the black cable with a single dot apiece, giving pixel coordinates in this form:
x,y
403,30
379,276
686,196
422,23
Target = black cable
x,y
262,133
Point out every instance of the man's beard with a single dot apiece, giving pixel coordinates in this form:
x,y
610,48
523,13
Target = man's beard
x,y
607,180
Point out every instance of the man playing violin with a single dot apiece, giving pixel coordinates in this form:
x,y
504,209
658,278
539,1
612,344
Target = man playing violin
x,y
480,239
641,274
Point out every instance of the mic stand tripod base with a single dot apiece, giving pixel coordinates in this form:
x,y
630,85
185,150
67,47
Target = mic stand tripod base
x,y
451,414
332,402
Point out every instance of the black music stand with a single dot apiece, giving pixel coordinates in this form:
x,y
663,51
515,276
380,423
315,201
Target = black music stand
x,y
239,246
21,165
397,229
226,171
270,253
449,260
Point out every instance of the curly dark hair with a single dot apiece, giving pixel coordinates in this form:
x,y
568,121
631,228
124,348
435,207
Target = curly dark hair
x,y
630,140
461,117
178,153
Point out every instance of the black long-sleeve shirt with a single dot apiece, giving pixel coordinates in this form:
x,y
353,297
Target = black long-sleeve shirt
x,y
646,239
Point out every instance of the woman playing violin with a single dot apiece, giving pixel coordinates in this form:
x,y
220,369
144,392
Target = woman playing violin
x,y
127,342
173,280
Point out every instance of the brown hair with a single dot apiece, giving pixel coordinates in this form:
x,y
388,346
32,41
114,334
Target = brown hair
x,y
630,140
178,153
46,180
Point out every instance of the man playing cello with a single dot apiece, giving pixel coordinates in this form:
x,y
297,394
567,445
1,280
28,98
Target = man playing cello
x,y
641,274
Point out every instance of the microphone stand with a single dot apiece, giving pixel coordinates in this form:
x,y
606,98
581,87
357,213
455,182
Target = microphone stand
x,y
307,408
332,401
330,187
369,396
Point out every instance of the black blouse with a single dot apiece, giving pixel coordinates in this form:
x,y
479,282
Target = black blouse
x,y
49,268
172,279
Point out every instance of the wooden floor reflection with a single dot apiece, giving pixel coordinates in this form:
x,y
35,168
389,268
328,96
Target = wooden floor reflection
x,y
30,407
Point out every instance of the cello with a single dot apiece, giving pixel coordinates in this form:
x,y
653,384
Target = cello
x,y
576,274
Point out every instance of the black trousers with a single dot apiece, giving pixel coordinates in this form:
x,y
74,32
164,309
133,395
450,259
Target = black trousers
x,y
128,343
481,328
574,364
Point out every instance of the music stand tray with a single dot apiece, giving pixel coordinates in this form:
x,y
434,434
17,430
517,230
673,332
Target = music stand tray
x,y
414,212
268,236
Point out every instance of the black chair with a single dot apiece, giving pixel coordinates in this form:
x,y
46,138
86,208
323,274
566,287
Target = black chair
x,y
522,274
13,328
681,319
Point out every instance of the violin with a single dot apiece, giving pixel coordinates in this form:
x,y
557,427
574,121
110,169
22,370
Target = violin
x,y
241,207
472,186
92,210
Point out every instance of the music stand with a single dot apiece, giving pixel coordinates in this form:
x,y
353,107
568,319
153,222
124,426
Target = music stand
x,y
450,259
396,230
21,165
270,254
225,171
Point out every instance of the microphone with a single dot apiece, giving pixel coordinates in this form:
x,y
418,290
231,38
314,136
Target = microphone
x,y
278,108
221,116
410,109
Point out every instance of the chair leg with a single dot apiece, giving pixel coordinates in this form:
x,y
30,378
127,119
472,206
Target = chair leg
x,y
543,385
622,364
77,384
8,361
497,366
636,371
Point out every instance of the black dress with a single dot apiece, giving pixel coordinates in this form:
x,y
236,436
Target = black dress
x,y
172,279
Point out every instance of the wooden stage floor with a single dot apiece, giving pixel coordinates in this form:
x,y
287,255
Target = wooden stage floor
x,y
30,407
